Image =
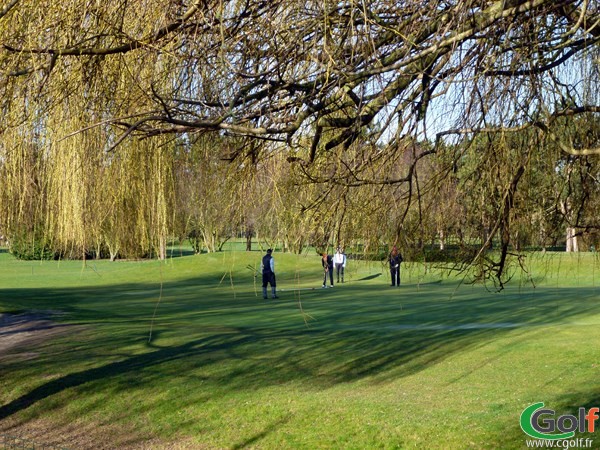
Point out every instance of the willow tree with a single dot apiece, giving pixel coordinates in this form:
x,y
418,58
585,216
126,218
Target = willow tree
x,y
239,66
88,198
23,192
285,71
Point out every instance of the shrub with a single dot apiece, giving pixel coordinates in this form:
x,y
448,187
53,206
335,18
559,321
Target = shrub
x,y
31,247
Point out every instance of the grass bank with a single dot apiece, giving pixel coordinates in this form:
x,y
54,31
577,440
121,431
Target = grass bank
x,y
186,354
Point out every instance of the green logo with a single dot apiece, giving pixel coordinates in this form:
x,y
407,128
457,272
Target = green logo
x,y
539,423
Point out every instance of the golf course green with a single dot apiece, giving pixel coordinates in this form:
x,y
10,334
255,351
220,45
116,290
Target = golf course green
x,y
185,353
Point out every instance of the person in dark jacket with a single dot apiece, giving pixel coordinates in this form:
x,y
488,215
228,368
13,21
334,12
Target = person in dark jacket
x,y
268,274
395,259
327,263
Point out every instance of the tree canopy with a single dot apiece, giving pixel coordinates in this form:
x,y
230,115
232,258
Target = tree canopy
x,y
275,69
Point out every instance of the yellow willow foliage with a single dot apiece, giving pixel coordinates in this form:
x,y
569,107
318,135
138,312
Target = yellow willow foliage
x,y
20,165
114,82
82,198
58,179
73,167
87,22
140,199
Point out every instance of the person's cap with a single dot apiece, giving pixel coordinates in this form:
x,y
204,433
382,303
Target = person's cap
x,y
270,250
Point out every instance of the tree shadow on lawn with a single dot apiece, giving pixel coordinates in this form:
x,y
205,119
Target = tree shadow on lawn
x,y
131,365
370,277
217,344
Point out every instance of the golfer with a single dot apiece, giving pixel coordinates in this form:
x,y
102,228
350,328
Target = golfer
x,y
395,259
268,274
327,262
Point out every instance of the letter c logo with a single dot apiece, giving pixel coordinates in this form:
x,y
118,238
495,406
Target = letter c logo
x,y
529,428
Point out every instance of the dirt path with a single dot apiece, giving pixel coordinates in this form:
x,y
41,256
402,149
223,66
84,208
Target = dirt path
x,y
20,335
28,330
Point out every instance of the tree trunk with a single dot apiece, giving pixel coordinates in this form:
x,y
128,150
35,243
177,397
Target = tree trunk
x,y
572,245
249,233
162,251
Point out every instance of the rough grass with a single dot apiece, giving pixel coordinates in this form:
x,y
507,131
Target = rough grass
x,y
186,354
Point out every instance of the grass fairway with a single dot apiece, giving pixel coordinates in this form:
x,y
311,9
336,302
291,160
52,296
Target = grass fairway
x,y
186,354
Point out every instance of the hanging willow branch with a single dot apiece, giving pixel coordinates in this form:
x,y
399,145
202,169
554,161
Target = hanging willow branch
x,y
239,67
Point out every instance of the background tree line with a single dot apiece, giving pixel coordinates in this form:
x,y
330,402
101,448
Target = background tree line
x,y
75,201
454,122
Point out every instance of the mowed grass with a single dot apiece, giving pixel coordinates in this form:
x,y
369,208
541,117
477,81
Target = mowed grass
x,y
185,353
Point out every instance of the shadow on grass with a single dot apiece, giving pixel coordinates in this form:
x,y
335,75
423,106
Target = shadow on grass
x,y
217,343
370,277
130,365
257,437
176,252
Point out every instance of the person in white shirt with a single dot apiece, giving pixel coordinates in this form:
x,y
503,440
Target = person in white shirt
x,y
339,263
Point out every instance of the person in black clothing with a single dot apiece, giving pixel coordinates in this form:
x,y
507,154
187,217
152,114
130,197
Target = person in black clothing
x,y
327,262
395,259
268,274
